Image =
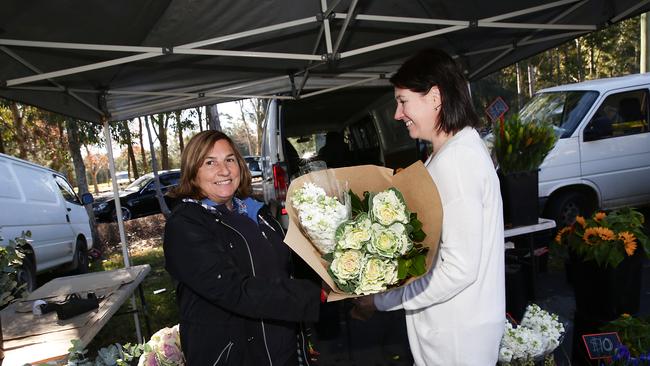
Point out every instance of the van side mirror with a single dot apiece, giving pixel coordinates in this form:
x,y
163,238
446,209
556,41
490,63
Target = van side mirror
x,y
87,198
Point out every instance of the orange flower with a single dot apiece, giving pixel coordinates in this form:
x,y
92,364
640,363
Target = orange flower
x,y
581,220
629,241
601,232
558,236
599,216
589,233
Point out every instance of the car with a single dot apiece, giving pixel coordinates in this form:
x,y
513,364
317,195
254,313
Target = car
x,y
138,199
122,178
39,200
255,167
602,156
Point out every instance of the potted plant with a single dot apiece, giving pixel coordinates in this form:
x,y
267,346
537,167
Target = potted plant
x,y
634,333
604,266
520,148
11,259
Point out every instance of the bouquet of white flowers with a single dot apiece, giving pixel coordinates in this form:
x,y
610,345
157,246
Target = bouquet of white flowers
x,y
375,250
365,245
163,349
538,335
320,215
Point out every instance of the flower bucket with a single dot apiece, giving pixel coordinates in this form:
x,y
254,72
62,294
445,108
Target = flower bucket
x,y
417,188
519,192
602,294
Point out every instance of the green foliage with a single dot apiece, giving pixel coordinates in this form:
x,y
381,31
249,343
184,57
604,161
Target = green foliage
x,y
521,146
11,259
634,332
606,238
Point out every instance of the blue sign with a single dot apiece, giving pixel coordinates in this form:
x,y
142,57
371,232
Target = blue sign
x,y
601,345
497,109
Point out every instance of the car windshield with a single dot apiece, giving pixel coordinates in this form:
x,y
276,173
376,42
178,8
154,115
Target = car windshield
x,y
564,110
139,183
253,164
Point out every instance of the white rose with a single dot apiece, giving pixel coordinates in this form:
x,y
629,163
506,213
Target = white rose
x,y
376,275
389,242
347,265
354,234
387,208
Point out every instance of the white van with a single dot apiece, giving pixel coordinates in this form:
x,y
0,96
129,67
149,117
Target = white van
x,y
40,200
360,122
602,156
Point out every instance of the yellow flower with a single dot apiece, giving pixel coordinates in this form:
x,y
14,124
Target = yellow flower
x,y
581,220
558,236
629,241
599,216
589,233
601,232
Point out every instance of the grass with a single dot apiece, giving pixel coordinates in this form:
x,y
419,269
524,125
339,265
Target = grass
x,y
161,308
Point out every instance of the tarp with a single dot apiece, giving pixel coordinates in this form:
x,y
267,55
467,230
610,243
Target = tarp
x,y
125,58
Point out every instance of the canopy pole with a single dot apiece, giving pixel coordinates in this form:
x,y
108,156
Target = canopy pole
x,y
120,221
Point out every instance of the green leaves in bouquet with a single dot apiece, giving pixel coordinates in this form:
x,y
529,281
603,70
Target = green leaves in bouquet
x,y
359,205
413,263
414,228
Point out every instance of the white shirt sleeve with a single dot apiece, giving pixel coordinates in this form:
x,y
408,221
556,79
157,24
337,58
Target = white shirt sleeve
x,y
460,183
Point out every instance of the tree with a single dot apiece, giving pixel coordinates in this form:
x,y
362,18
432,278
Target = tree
x,y
143,153
123,136
161,121
73,128
95,163
180,125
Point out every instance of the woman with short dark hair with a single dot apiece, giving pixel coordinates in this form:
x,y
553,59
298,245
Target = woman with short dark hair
x,y
238,304
455,313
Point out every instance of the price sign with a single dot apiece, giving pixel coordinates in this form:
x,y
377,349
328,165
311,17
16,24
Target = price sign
x,y
496,109
601,345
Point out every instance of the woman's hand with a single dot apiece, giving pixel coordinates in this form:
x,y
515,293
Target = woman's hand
x,y
364,307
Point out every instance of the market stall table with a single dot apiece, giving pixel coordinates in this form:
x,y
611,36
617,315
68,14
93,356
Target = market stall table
x,y
30,338
529,231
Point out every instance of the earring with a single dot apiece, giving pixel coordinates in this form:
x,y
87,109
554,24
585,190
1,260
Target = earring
x,y
436,108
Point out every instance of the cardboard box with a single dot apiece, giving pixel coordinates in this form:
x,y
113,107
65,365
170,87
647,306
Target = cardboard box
x,y
416,185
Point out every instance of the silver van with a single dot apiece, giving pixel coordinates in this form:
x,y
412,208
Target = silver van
x,y
40,200
343,128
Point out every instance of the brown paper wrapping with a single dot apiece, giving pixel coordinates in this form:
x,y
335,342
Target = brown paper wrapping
x,y
416,185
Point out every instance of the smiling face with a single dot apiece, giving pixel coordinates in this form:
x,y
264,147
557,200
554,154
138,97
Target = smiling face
x,y
419,112
219,174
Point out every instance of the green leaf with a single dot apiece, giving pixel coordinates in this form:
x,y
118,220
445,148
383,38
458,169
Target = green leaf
x,y
329,257
403,268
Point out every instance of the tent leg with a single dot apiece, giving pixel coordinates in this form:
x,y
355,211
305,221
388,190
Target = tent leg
x,y
120,222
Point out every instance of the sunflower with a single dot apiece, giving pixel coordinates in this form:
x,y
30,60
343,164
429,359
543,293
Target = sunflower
x,y
558,236
599,216
581,220
590,233
629,241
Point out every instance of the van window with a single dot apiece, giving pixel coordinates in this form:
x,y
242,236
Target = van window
x,y
620,114
66,191
564,110
36,185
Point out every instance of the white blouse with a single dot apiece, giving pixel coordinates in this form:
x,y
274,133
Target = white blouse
x,y
455,313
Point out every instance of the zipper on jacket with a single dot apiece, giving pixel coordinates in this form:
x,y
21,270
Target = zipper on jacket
x,y
250,257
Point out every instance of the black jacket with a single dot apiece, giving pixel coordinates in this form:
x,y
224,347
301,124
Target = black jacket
x,y
238,305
